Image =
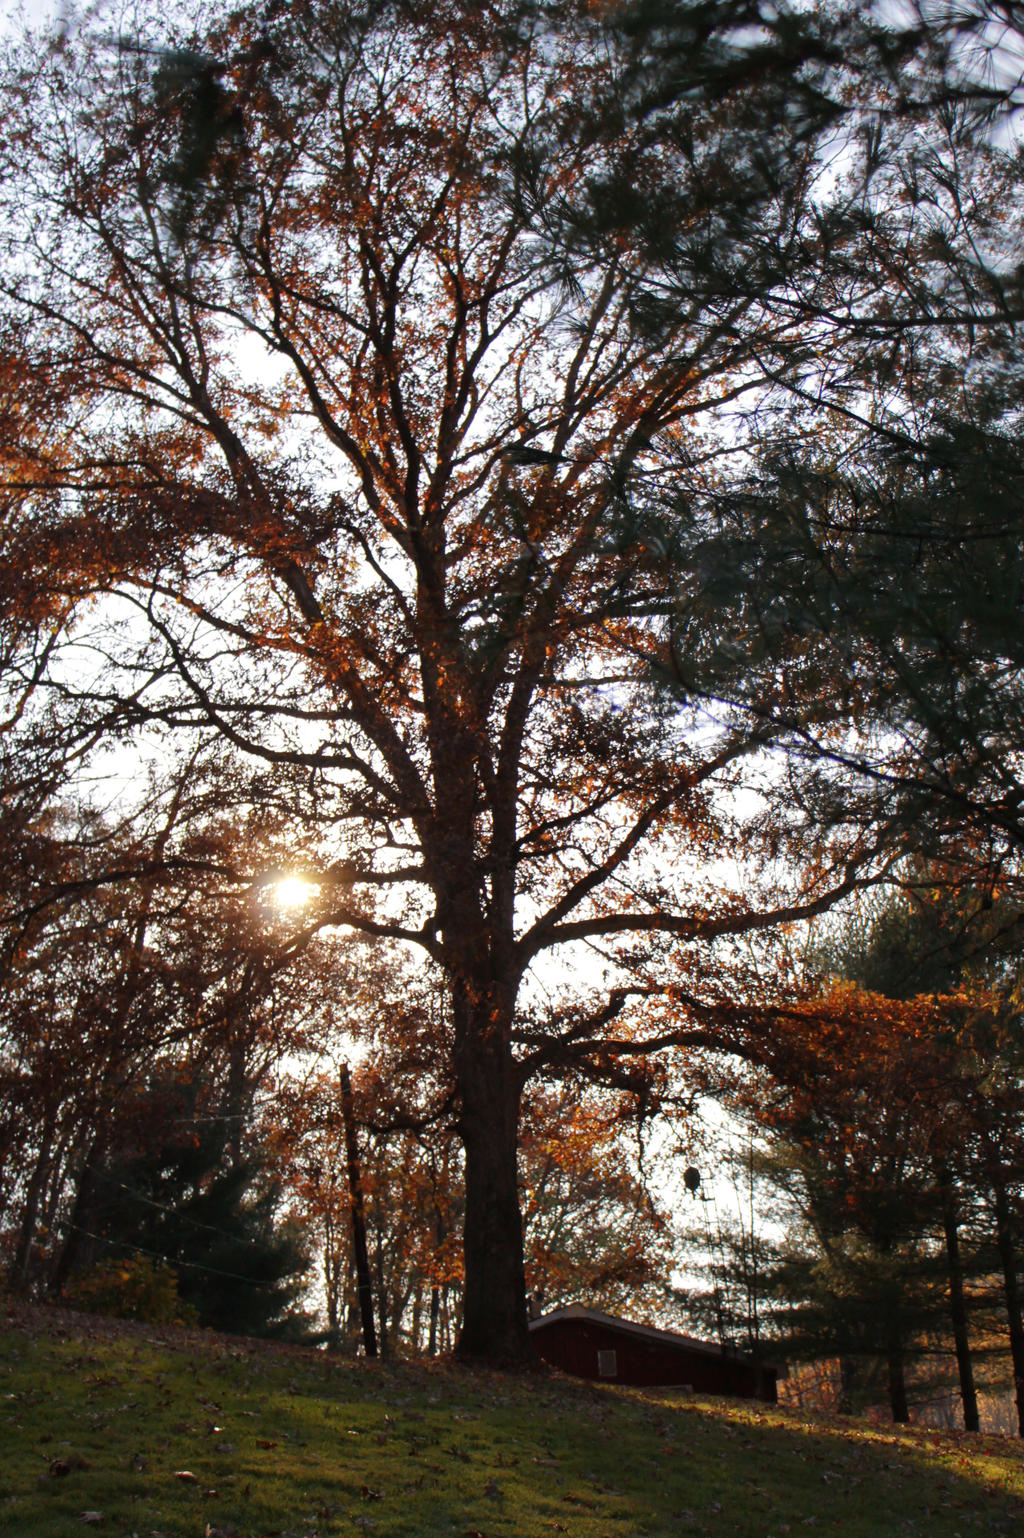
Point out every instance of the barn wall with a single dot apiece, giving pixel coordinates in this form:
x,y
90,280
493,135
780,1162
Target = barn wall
x,y
572,1346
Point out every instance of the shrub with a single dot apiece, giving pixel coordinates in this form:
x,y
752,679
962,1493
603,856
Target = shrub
x,y
131,1288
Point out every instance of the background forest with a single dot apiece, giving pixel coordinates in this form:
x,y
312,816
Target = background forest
x,y
511,645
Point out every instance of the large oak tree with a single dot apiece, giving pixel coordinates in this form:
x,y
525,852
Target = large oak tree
x,y
343,472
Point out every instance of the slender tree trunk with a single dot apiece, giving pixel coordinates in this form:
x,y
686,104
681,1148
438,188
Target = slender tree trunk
x,y
58,1179
494,1319
355,1185
1011,1285
333,1281
440,1235
435,1318
958,1307
416,1322
383,1342
895,1361
897,1380
65,1262
22,1263
847,1376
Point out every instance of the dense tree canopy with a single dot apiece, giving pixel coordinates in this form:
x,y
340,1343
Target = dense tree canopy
x,y
382,394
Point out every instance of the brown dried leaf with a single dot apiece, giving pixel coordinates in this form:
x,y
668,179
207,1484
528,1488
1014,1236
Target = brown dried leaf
x,y
67,1464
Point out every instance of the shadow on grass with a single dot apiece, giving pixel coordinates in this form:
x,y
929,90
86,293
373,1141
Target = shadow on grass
x,y
195,1436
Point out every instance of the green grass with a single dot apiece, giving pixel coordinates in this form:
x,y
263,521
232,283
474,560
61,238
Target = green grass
x,y
290,1442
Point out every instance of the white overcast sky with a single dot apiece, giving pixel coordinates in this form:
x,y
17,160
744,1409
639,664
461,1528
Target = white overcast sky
x,y
33,10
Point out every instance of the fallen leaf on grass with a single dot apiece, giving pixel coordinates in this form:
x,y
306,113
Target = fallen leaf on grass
x,y
92,1516
186,1476
61,1466
263,1442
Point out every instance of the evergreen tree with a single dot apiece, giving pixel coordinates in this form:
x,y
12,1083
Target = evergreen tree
x,y
181,1197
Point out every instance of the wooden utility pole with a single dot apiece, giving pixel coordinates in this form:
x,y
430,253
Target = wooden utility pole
x,y
355,1186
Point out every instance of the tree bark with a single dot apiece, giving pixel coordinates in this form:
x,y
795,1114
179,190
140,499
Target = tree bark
x,y
435,1319
65,1262
1011,1285
440,1235
897,1378
958,1307
333,1282
355,1185
847,1378
895,1365
494,1318
21,1266
383,1313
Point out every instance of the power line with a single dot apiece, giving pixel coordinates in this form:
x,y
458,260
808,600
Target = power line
x,y
193,1265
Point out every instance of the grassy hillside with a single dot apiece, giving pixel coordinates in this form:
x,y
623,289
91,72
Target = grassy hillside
x,y
164,1434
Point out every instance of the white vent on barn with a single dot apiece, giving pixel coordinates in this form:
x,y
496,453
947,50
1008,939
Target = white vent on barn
x,y
607,1366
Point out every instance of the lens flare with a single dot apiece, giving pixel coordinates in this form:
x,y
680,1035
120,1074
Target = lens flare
x,y
292,892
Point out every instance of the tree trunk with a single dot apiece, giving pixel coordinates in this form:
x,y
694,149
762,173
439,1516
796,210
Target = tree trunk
x,y
333,1282
1011,1285
494,1319
416,1323
435,1319
440,1235
21,1266
355,1185
897,1383
895,1366
383,1343
958,1307
847,1380
65,1262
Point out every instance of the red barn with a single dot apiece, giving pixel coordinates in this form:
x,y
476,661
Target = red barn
x,y
589,1344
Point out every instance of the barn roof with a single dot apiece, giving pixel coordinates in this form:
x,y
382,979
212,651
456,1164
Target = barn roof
x,y
668,1338
625,1327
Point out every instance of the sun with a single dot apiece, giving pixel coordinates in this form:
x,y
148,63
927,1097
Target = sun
x,y
292,892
